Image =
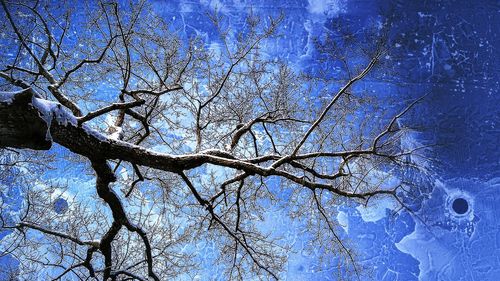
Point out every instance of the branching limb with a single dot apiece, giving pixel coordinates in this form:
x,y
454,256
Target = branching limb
x,y
114,106
57,234
208,206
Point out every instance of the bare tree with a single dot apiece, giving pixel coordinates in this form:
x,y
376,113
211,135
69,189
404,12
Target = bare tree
x,y
213,139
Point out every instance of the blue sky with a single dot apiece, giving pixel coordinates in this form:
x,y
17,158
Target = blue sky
x,y
447,49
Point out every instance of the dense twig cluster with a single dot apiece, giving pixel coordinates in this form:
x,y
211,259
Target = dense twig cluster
x,y
203,130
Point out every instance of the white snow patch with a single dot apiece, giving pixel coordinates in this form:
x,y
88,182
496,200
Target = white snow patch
x,y
116,135
50,110
96,134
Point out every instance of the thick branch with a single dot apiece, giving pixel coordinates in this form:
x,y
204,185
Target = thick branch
x,y
92,144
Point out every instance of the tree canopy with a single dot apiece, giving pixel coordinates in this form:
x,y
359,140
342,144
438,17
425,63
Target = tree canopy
x,y
186,143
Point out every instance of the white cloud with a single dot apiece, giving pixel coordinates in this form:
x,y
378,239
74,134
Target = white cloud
x,y
376,209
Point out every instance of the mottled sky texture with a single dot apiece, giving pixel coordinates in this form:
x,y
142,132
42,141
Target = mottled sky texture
x,y
446,49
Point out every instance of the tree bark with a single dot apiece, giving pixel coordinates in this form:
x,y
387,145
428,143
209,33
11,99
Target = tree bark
x,y
20,123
